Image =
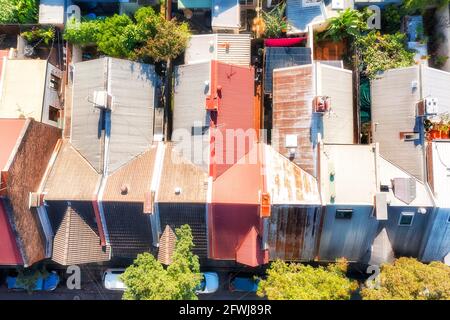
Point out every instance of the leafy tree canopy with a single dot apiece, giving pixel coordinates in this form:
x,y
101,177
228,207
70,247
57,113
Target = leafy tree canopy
x,y
148,279
302,282
413,6
380,52
19,11
409,279
147,36
349,24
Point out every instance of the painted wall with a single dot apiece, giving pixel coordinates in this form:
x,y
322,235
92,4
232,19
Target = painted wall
x,y
347,238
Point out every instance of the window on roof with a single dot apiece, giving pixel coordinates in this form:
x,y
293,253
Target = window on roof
x,y
199,131
53,114
55,82
344,214
409,136
406,219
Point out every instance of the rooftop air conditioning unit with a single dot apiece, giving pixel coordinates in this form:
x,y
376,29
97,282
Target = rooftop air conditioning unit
x,y
338,4
428,107
101,99
321,104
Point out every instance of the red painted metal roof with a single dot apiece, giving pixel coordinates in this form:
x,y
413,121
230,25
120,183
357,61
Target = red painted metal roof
x,y
242,182
9,252
236,111
249,250
10,130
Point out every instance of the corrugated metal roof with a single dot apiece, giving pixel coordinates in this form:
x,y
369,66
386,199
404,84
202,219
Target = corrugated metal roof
x,y
10,131
136,177
242,182
71,166
300,16
9,251
293,93
225,14
225,47
441,172
348,174
76,242
282,57
181,180
15,102
286,182
132,88
236,115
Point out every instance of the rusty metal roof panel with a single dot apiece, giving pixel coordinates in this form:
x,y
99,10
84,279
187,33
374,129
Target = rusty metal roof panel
x,y
286,182
293,93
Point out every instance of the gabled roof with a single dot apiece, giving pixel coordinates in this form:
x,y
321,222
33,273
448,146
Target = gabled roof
x,y
135,176
9,251
71,177
286,182
242,182
126,131
181,180
10,132
76,241
249,250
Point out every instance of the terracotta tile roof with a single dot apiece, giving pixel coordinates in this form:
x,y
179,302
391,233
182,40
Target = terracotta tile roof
x,y
10,131
76,241
178,172
135,176
167,246
9,251
72,177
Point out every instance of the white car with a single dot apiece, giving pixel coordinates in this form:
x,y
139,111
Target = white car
x,y
111,280
209,283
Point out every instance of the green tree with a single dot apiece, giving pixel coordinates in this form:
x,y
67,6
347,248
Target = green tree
x,y
8,12
170,40
380,52
83,33
409,279
302,282
148,279
116,36
349,24
27,11
413,6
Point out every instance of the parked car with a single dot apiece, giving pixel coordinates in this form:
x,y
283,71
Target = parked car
x,y
243,283
47,283
209,283
111,279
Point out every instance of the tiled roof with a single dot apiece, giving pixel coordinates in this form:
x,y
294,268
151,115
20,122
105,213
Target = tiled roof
x,y
76,239
135,176
179,173
167,246
71,177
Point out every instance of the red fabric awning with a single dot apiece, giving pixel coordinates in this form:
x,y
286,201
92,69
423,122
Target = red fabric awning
x,y
284,42
9,252
249,251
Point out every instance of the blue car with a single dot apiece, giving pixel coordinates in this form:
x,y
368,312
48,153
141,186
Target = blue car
x,y
244,284
209,283
49,283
